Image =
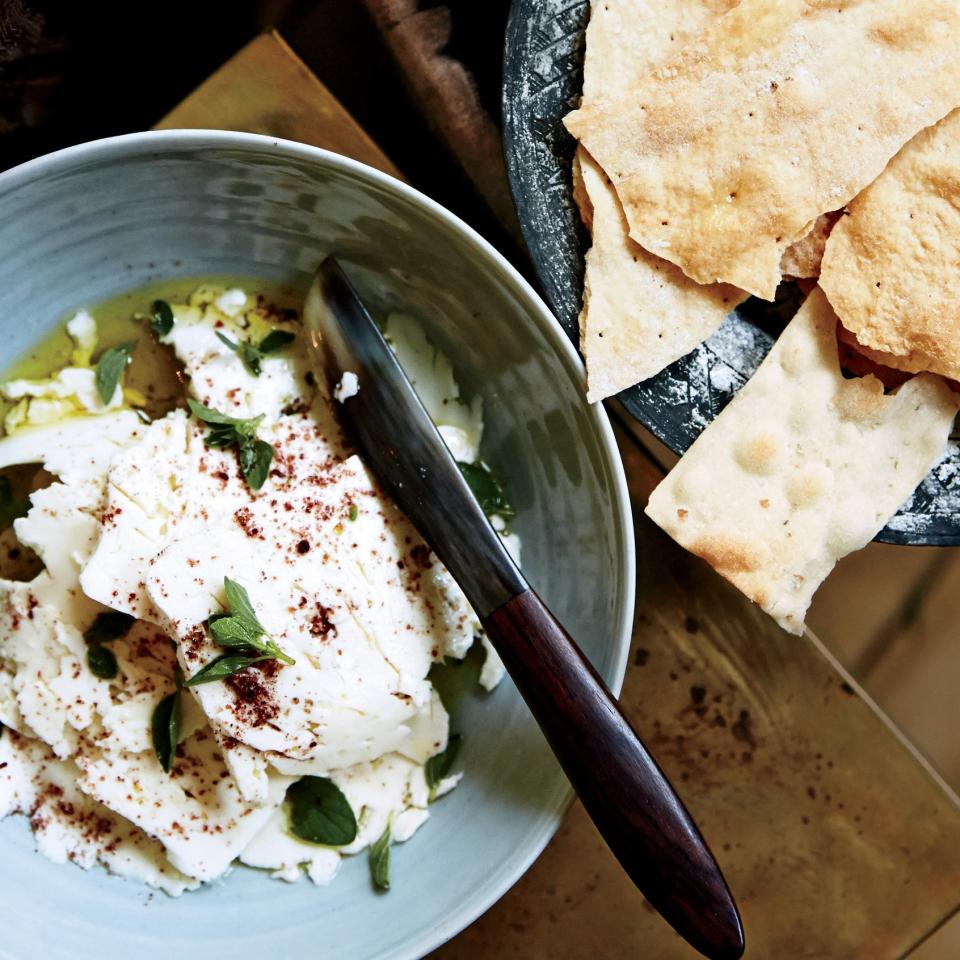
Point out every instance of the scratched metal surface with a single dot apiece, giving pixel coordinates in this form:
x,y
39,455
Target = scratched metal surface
x,y
542,77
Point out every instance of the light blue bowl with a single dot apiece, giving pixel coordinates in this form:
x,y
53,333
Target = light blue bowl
x,y
92,221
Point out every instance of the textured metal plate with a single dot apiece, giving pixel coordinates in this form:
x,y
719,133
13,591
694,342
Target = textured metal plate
x,y
542,78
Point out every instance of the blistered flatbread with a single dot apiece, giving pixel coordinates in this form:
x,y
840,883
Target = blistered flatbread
x,y
801,468
892,266
640,313
780,111
802,259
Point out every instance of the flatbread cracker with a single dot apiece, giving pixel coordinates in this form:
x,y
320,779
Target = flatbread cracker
x,y
781,111
802,259
640,313
625,39
892,267
801,468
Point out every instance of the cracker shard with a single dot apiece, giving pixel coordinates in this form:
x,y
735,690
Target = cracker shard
x,y
781,111
640,313
891,266
802,468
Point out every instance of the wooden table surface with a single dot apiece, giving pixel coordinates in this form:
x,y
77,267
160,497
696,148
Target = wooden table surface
x,y
838,840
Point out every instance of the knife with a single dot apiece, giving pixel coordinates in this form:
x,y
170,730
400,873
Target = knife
x,y
620,785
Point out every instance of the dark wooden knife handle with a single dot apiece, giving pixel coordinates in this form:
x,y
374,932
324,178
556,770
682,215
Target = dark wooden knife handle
x,y
629,799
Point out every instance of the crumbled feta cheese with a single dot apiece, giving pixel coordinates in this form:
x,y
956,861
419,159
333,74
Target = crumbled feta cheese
x,y
147,520
349,386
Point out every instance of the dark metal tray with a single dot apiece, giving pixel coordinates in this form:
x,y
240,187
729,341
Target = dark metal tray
x,y
543,61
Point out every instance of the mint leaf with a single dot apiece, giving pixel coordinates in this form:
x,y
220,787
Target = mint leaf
x,y
110,369
110,625
10,509
162,321
354,512
320,813
226,665
438,766
380,861
485,487
165,726
102,662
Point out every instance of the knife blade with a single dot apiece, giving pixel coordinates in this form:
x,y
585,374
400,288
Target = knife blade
x,y
622,788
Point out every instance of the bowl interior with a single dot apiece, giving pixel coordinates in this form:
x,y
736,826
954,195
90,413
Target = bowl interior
x,y
90,222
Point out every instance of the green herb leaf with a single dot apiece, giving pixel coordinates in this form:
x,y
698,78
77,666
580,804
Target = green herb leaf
x,y
320,813
438,766
241,629
110,369
10,509
251,354
110,625
255,459
235,632
238,602
102,662
254,456
380,861
165,725
244,428
226,665
487,490
162,320
354,511
276,340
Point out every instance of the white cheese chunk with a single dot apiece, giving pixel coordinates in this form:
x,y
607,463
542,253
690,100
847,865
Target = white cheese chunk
x,y
71,826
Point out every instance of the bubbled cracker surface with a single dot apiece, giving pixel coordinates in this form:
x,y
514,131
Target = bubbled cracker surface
x,y
891,266
640,313
781,111
802,467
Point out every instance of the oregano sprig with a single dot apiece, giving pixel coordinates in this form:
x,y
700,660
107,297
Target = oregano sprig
x,y
438,766
107,626
380,858
165,724
320,813
251,354
242,634
110,369
486,488
162,320
254,455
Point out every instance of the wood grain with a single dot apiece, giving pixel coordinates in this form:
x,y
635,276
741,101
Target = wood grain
x,y
834,839
267,89
619,784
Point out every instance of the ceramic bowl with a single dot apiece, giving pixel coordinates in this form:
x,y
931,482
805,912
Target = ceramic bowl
x,y
87,223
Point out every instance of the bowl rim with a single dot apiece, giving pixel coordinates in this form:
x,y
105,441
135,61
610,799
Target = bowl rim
x,y
159,141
